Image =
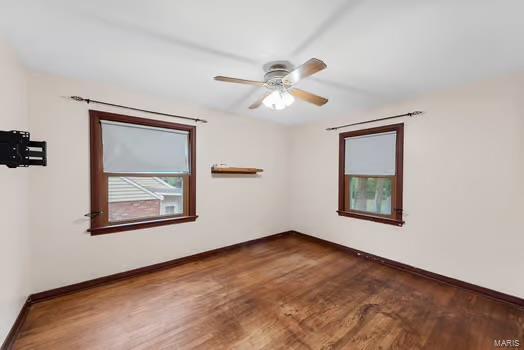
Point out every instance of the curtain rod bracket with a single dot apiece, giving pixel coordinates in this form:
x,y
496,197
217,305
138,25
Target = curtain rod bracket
x,y
88,101
410,114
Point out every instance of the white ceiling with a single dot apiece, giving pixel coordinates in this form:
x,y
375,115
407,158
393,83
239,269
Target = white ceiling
x,y
377,51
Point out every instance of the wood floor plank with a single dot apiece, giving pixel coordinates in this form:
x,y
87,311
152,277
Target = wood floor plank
x,y
287,293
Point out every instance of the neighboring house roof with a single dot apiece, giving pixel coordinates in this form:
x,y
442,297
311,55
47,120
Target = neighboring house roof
x,y
157,186
122,189
125,189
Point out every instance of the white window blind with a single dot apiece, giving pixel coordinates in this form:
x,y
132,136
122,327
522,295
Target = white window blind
x,y
371,154
131,148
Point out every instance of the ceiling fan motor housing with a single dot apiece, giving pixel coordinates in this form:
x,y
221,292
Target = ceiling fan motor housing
x,y
275,71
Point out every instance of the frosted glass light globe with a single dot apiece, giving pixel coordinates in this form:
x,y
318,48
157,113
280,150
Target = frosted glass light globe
x,y
279,99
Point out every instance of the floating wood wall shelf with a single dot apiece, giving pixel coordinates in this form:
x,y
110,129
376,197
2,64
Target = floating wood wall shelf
x,y
234,170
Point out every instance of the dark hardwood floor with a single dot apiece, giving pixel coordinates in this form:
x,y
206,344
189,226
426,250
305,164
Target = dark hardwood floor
x,y
287,293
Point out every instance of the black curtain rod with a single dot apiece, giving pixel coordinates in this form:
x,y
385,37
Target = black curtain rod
x,y
87,100
411,114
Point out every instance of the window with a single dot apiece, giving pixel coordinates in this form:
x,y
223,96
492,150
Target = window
x,y
169,209
370,174
142,173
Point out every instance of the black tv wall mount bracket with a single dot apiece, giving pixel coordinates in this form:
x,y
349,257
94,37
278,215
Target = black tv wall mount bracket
x,y
17,150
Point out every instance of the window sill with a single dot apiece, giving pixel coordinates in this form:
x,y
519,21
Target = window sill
x,y
95,231
380,219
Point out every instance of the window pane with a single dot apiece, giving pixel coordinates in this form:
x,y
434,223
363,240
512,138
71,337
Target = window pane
x,y
371,194
132,198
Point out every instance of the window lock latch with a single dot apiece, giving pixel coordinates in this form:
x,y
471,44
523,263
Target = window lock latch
x,y
93,214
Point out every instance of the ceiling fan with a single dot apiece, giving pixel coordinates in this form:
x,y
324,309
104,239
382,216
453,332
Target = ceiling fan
x,y
279,82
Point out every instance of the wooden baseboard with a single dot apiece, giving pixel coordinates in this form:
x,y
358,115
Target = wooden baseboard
x,y
53,293
493,294
57,292
61,291
15,329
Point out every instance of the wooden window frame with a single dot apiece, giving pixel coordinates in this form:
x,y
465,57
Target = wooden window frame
x,y
99,180
397,184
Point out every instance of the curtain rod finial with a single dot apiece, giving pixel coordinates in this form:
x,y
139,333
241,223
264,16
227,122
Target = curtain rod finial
x,y
416,113
77,98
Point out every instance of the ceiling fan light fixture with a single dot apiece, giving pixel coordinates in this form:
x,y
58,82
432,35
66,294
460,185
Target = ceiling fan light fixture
x,y
279,99
279,80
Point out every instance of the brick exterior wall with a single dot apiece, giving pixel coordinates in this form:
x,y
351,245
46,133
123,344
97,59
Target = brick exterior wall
x,y
119,211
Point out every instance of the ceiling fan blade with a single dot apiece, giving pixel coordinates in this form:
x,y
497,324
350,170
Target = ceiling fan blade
x,y
309,68
308,97
239,81
261,99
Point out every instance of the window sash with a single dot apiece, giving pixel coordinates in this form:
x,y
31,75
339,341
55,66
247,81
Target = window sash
x,y
185,201
348,193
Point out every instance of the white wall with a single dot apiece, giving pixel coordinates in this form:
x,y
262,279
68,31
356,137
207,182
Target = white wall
x,y
14,245
463,186
231,210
